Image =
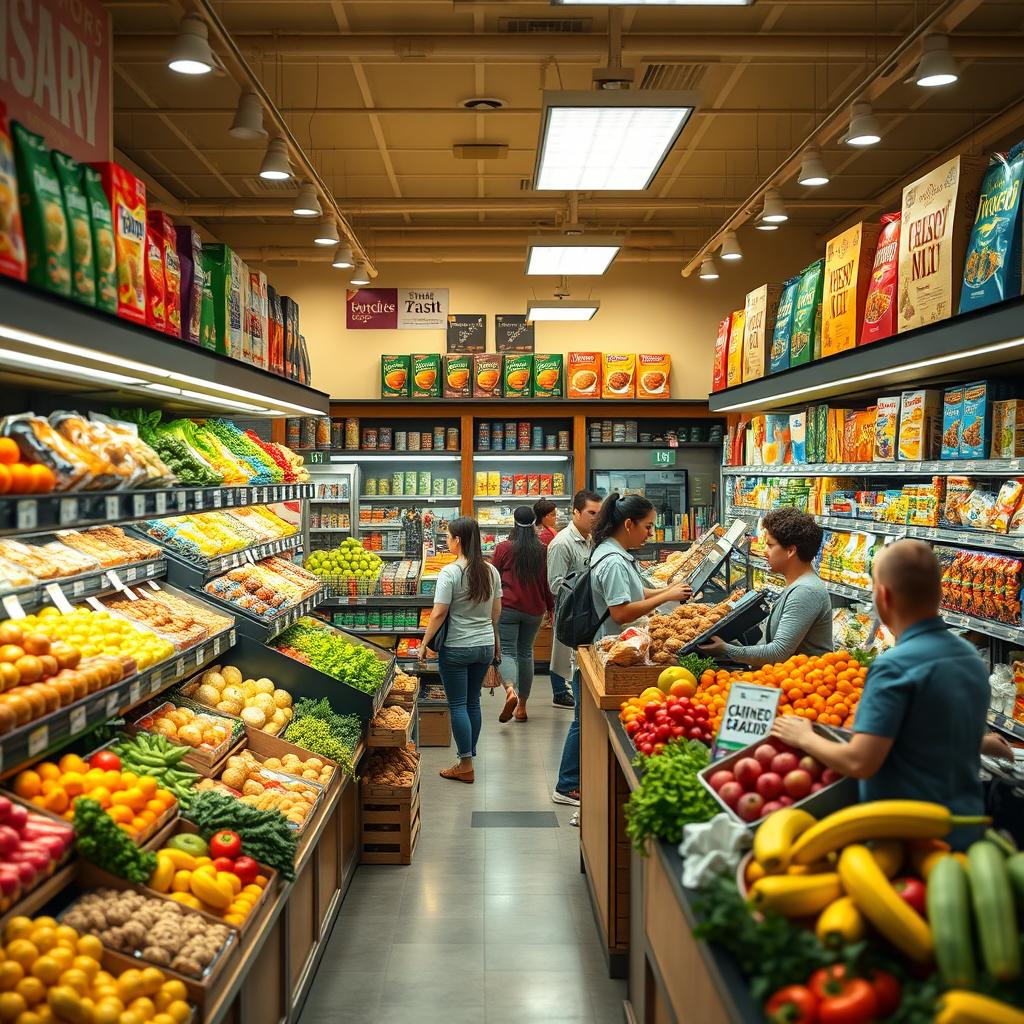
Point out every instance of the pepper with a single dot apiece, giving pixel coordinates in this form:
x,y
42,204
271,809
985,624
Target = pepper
x,y
912,891
225,844
843,999
794,1004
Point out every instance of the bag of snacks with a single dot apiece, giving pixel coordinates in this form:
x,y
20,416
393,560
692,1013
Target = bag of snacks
x,y
103,250
189,250
162,228
76,210
156,288
1006,504
13,261
127,197
805,339
880,304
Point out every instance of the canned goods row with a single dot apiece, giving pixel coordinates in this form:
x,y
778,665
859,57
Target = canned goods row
x,y
411,483
628,432
519,436
387,439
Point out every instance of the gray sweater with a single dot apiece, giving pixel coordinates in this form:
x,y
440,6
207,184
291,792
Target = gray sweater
x,y
800,623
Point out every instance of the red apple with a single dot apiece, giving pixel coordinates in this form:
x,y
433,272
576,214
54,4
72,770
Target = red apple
x,y
764,754
749,806
9,841
718,779
5,808
17,817
786,800
747,771
772,805
730,794
784,763
26,873
816,787
769,785
9,883
830,775
810,765
798,783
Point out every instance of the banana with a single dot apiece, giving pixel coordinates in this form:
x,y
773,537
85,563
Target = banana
x,y
879,902
960,1007
796,895
776,835
882,819
840,923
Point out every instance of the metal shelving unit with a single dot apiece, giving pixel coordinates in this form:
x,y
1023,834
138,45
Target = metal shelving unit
x,y
938,467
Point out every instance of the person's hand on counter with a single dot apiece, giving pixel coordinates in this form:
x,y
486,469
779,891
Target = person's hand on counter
x,y
713,648
681,592
993,745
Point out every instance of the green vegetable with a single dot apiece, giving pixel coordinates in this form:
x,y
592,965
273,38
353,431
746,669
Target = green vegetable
x,y
669,795
994,910
99,840
949,914
696,665
327,650
316,736
266,836
153,754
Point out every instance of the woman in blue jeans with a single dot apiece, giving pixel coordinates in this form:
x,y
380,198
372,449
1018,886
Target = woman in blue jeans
x,y
468,599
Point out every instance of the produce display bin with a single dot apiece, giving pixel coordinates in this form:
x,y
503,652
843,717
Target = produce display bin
x,y
390,817
380,737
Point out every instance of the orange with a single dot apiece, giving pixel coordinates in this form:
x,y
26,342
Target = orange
x,y
72,763
9,451
72,783
21,479
5,478
28,784
43,480
48,770
121,814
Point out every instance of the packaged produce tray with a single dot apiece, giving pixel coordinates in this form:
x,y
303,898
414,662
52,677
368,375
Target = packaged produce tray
x,y
749,610
201,758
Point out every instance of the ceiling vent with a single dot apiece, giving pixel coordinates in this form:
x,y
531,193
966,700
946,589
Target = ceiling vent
x,y
267,187
525,184
672,76
556,26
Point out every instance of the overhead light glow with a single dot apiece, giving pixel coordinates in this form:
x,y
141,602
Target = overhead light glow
x,y
248,121
765,225
276,166
326,232
774,208
343,258
191,53
570,255
812,170
607,140
212,400
30,361
937,67
863,130
360,276
731,247
708,269
306,202
562,309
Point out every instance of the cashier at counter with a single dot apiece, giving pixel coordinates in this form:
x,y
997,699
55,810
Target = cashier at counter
x,y
920,724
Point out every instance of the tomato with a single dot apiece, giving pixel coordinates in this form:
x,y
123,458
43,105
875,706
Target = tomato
x,y
651,710
887,993
225,844
105,760
912,892
246,868
224,864
842,998
794,1004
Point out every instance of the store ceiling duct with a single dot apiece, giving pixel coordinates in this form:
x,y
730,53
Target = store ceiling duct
x,y
938,66
248,121
708,269
276,166
562,309
607,140
812,170
326,232
731,247
191,53
343,258
570,255
360,276
774,208
863,130
306,202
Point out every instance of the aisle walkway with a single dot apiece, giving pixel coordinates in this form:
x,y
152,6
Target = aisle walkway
x,y
487,924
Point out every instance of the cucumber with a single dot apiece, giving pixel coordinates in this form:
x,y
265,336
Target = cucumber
x,y
1015,869
994,910
950,919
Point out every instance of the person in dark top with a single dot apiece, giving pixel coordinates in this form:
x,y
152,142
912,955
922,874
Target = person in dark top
x,y
546,513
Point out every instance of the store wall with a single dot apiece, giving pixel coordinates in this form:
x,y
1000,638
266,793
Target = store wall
x,y
644,308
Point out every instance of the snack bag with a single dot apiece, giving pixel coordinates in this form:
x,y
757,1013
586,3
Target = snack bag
x,y
156,289
734,360
1007,502
127,197
103,248
426,375
806,335
259,324
76,210
42,213
517,375
720,364
778,358
880,303
952,417
217,265
394,376
458,371
13,259
188,248
239,346
848,259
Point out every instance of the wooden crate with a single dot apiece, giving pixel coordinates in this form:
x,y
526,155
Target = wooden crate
x,y
389,822
435,726
380,737
264,745
612,684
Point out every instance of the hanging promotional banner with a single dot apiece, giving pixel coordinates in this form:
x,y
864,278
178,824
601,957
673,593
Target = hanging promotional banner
x,y
422,308
467,332
513,333
749,713
371,309
55,72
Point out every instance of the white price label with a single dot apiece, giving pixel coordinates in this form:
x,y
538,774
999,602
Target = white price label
x,y
130,594
67,511
1014,465
114,580
156,681
78,588
968,467
216,646
199,656
249,557
38,740
13,607
113,506
229,497
135,692
129,573
243,496
78,719
153,585
57,596
197,501
27,517
217,499
139,505
161,503
181,500
113,705
179,667
234,637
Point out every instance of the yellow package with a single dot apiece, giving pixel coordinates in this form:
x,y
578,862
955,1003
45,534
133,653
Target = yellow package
x,y
493,484
481,484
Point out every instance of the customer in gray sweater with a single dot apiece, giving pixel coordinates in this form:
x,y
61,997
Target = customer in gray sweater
x,y
801,619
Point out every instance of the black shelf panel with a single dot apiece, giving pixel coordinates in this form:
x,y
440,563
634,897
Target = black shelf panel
x,y
263,630
379,601
222,563
627,445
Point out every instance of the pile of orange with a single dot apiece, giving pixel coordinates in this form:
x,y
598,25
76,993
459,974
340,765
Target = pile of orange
x,y
17,477
135,802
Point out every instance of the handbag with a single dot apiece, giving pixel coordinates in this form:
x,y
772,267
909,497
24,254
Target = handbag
x,y
436,642
492,680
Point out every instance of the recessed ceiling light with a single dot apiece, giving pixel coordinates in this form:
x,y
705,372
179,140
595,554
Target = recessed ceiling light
x,y
731,247
276,166
306,202
708,269
864,130
360,276
774,208
248,122
191,53
574,255
562,309
343,258
326,232
812,170
937,66
607,140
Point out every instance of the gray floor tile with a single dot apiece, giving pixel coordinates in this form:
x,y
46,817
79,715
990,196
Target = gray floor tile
x,y
515,996
417,959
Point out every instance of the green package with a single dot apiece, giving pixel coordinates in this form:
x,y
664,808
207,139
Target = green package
x,y
807,314
103,249
208,337
426,375
547,375
394,376
217,265
76,210
517,375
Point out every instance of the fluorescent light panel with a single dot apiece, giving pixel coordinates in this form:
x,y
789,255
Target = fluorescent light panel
x,y
357,456
576,256
595,141
562,309
523,456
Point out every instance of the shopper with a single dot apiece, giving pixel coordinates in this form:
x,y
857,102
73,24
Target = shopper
x,y
567,554
546,512
801,619
521,562
468,600
920,723
623,525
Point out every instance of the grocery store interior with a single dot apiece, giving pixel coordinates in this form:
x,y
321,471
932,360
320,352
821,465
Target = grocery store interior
x,y
308,308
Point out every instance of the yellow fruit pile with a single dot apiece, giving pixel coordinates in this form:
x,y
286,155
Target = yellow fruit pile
x,y
49,973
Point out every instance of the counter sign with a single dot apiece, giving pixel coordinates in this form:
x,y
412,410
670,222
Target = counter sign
x,y
748,717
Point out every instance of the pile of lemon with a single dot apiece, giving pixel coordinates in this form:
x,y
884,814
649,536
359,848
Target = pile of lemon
x,y
95,633
49,973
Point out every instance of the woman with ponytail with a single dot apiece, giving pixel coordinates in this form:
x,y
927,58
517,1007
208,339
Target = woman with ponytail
x,y
623,525
467,605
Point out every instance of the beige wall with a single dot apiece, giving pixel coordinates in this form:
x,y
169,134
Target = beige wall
x,y
644,308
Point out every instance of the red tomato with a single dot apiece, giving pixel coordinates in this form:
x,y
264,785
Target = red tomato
x,y
246,868
105,760
225,844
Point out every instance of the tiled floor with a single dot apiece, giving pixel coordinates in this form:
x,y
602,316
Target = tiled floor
x,y
487,924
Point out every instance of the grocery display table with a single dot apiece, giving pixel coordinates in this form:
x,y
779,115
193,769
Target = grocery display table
x,y
643,913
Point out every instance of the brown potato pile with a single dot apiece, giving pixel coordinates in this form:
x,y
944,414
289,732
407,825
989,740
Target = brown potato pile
x,y
392,766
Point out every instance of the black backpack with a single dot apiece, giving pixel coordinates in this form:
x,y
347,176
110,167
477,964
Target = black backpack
x,y
576,619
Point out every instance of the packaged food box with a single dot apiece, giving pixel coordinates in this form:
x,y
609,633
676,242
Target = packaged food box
x,y
506,483
258,318
13,258
163,227
533,484
848,260
547,375
546,483
1007,429
798,436
920,419
437,487
188,248
720,364
451,486
937,213
410,481
653,375
805,336
758,313
275,328
952,418
859,435
217,265
423,482
519,483
76,212
398,482
517,375
493,483
458,371
583,374
618,372
426,375
778,356
487,375
734,362
102,224
887,416
394,376
880,302
558,484
976,426
156,288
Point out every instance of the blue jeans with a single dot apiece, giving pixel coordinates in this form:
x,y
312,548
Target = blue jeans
x,y
517,631
569,769
558,684
462,671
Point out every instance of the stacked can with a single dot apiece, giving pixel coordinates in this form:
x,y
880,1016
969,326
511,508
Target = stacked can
x,y
414,440
352,433
293,433
369,439
483,437
426,440
452,439
537,441
510,437
337,434
384,439
401,440
563,440
438,439
549,442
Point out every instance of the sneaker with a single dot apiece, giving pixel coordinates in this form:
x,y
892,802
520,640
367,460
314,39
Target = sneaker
x,y
563,700
572,798
575,819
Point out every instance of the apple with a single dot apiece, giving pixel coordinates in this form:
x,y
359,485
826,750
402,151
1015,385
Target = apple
x,y
764,754
730,794
816,787
772,805
718,779
810,765
749,806
769,785
5,808
9,884
17,816
26,873
747,771
830,775
784,763
786,800
797,783
9,841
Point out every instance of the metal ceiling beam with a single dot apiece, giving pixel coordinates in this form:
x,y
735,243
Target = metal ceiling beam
x,y
430,254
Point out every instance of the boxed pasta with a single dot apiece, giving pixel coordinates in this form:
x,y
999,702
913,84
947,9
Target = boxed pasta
x,y
778,358
887,414
618,372
487,375
952,417
920,419
395,372
758,312
992,269
517,374
127,197
937,213
720,364
848,259
880,303
734,363
425,371
458,371
1007,429
653,370
13,258
584,374
806,315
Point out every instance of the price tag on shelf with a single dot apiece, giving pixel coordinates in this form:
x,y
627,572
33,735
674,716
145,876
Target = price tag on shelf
x,y
249,557
179,668
229,497
78,719
135,692
216,499
38,740
113,705
130,594
13,607
234,637
243,496
112,506
153,585
129,572
199,656
968,467
67,511
181,500
161,503
58,598
956,619
115,580
156,681
138,505
78,588
197,501
216,646
95,605
26,514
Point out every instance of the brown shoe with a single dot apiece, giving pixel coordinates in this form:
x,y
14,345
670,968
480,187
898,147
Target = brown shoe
x,y
455,775
521,715
510,705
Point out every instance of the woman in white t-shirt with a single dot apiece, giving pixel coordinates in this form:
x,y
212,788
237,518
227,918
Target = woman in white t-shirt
x,y
468,598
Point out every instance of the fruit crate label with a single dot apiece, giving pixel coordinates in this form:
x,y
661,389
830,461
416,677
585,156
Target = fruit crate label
x,y
139,505
68,511
113,507
78,719
13,607
161,503
113,704
57,596
38,739
749,713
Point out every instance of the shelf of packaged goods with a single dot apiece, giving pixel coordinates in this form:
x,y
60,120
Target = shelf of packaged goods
x,y
379,600
329,501
646,445
96,583
521,498
1006,725
370,527
398,499
399,631
44,513
414,665
939,467
433,454
220,564
265,630
986,338
524,454
329,529
37,738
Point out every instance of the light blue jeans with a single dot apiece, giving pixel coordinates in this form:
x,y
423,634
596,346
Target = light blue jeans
x,y
462,671
517,631
569,769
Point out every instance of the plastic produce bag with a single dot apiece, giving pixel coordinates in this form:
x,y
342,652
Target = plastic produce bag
x,y
712,848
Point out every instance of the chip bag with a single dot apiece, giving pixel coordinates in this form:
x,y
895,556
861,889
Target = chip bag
x,y
13,260
76,210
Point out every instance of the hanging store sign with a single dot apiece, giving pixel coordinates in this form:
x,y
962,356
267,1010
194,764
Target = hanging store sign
x,y
467,332
422,308
385,309
55,73
513,333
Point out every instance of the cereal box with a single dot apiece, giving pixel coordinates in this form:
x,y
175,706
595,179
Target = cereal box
x,y
720,366
547,375
519,483
481,484
238,347
189,250
156,289
425,370
880,302
506,484
848,259
517,375
776,449
618,372
13,258
217,264
798,436
859,435
259,326
778,357
76,210
976,426
806,309
395,372
952,418
938,210
458,373
546,483
920,419
1007,429
887,415
734,363
486,375
652,375
558,484
758,313
493,483
584,374
127,197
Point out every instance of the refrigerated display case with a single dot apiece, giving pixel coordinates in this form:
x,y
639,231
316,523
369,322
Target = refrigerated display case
x,y
329,514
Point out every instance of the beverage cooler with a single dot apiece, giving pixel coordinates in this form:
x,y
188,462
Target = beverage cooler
x,y
666,490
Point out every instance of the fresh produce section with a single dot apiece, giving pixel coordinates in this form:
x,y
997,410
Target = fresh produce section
x,y
326,649
259,703
203,536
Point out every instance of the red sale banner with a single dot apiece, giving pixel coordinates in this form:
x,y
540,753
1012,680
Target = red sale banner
x,y
55,72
